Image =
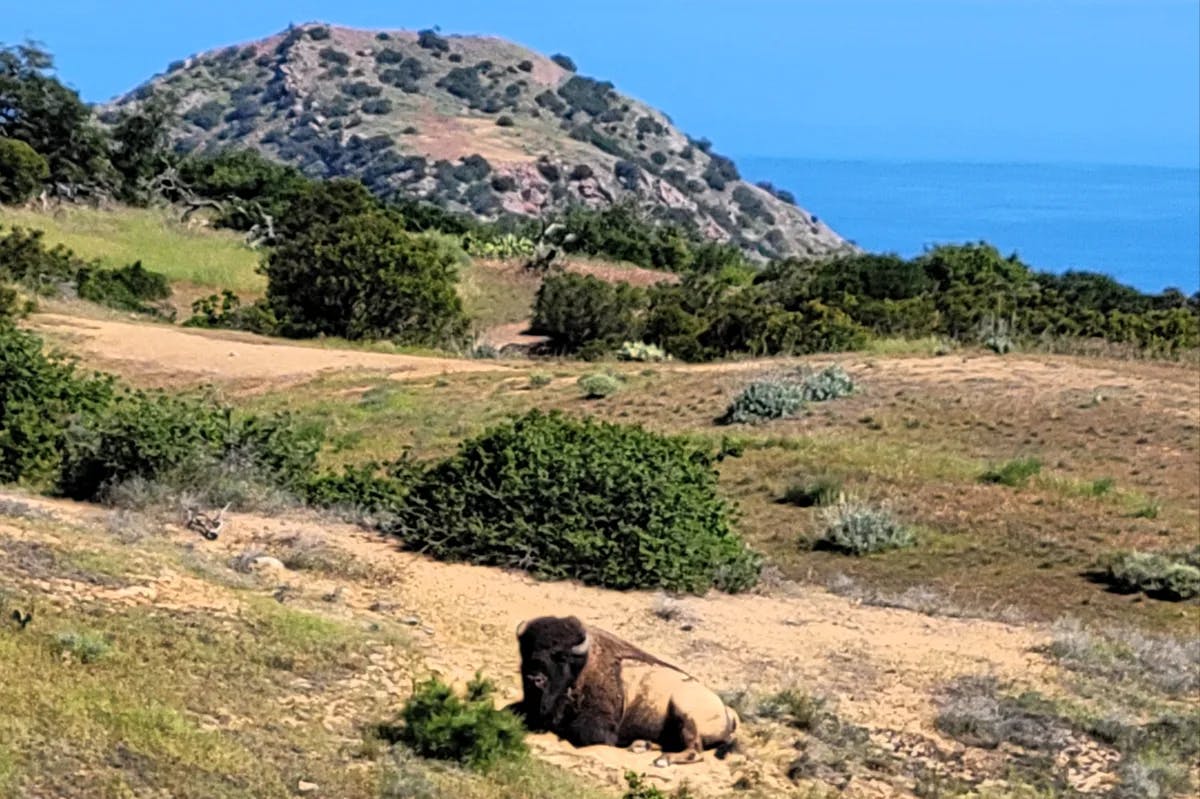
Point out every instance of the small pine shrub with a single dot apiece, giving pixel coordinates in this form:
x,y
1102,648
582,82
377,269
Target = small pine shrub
x,y
1174,577
607,504
1014,473
599,385
823,491
856,528
540,380
640,351
466,730
832,382
1101,486
763,400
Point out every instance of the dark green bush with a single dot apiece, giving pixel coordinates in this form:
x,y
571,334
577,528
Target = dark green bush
x,y
578,310
605,504
85,435
22,171
38,396
25,259
365,276
368,488
377,106
587,95
129,288
466,730
563,61
226,311
430,40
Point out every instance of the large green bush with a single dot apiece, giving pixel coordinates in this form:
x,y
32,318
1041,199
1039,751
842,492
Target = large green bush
x,y
22,171
154,436
606,504
364,276
84,435
578,311
38,397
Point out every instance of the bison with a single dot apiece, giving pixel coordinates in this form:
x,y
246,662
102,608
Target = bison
x,y
590,687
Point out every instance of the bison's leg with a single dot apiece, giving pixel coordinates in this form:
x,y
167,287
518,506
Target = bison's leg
x,y
681,728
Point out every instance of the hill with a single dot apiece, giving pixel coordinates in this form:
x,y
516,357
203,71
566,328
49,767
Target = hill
x,y
471,123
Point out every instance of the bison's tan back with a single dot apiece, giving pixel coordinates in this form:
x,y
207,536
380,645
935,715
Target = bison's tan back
x,y
650,689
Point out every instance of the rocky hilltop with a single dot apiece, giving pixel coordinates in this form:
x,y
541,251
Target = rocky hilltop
x,y
471,123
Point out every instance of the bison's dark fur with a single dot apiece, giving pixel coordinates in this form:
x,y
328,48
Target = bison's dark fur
x,y
590,687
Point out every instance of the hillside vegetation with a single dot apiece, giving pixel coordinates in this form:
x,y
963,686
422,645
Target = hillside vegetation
x,y
473,124
942,562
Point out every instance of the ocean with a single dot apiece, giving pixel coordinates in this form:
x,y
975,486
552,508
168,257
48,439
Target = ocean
x,y
1139,224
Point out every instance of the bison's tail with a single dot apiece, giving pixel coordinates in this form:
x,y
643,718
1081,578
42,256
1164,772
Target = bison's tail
x,y
728,743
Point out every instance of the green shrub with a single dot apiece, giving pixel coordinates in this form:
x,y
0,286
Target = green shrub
x,y
83,646
822,491
580,310
226,311
856,528
364,276
1168,576
129,288
640,351
466,730
606,504
25,259
638,788
599,385
832,382
563,61
763,400
38,396
540,379
152,436
22,171
1013,473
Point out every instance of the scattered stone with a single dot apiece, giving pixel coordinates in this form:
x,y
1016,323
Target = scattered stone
x,y
304,786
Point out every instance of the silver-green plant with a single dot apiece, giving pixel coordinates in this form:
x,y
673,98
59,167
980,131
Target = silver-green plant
x,y
859,528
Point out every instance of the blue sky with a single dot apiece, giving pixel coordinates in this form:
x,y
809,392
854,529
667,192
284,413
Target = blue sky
x,y
1114,81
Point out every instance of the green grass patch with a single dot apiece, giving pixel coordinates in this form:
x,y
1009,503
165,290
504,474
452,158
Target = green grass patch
x,y
1014,473
121,236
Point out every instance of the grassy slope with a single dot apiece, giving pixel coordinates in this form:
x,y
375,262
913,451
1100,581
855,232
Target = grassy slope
x,y
203,257
96,701
920,448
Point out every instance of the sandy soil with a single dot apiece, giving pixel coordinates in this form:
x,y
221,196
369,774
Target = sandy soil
x,y
881,666
166,354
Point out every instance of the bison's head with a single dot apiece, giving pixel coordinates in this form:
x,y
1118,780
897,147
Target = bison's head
x,y
553,653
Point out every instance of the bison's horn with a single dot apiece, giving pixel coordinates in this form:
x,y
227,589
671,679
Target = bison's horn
x,y
581,649
521,628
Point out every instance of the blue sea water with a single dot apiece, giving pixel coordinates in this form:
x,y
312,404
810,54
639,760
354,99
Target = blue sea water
x,y
1139,224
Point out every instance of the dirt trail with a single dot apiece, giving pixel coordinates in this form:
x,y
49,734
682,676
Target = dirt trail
x,y
167,354
882,666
